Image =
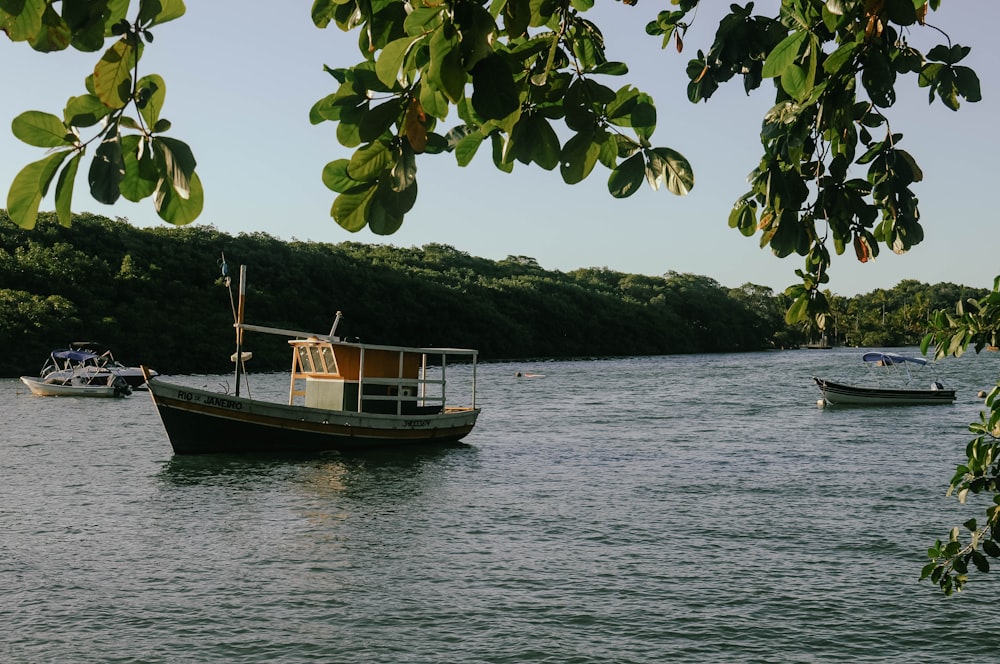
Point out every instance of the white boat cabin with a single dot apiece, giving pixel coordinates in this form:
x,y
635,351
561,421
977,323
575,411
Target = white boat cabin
x,y
332,374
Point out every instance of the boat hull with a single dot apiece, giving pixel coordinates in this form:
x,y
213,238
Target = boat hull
x,y
202,422
41,388
840,394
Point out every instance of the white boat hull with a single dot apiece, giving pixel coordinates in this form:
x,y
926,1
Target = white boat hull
x,y
41,388
838,393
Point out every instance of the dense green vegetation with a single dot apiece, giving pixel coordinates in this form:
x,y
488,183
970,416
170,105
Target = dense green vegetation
x,y
156,296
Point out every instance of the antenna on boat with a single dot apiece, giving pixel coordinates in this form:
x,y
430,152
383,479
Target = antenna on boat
x,y
336,322
239,326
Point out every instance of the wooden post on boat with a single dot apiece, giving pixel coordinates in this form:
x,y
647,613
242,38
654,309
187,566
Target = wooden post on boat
x,y
239,326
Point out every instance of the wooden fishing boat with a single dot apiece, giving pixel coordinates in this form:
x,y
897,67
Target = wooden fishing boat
x,y
891,383
343,395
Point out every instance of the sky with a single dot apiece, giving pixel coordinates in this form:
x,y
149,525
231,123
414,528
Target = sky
x,y
240,85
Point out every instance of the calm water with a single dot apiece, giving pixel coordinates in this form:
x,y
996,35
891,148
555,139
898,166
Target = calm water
x,y
692,508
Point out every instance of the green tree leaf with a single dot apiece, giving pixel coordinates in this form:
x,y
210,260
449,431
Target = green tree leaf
x,y
106,171
670,168
467,147
157,12
89,21
152,92
798,312
795,82
336,179
423,19
378,120
64,190
625,180
54,34
403,174
445,70
783,55
611,69
42,130
578,157
113,73
839,58
545,150
390,60
389,207
433,101
22,19
351,210
141,173
84,111
743,218
176,209
370,161
29,187
494,95
175,163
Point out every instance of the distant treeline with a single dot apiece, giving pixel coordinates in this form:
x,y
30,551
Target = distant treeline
x,y
157,296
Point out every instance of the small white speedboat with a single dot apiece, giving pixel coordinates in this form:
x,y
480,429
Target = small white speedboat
x,y
891,383
77,387
80,373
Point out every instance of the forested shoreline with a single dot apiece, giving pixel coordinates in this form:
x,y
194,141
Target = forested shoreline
x,y
156,296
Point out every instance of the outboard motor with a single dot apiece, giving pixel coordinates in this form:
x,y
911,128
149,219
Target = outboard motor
x,y
122,388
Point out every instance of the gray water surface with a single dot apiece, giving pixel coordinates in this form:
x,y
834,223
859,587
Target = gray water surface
x,y
680,508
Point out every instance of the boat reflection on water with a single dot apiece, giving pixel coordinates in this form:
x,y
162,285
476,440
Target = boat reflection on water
x,y
386,471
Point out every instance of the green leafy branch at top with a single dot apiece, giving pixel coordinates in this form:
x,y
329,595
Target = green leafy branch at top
x,y
835,65
135,164
530,79
976,323
517,73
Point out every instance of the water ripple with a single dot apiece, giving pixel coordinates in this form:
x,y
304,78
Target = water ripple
x,y
695,508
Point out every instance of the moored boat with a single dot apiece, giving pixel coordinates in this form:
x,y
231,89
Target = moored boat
x,y
891,382
838,393
343,395
105,360
80,373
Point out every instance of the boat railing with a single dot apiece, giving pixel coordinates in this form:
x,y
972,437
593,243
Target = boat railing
x,y
402,391
427,392
890,373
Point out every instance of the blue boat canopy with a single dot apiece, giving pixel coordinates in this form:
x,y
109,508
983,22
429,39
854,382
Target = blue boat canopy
x,y
892,358
74,355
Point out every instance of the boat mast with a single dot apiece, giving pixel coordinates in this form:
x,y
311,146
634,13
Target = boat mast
x,y
239,326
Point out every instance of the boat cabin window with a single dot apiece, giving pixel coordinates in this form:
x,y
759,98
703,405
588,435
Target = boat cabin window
x,y
305,364
328,359
316,358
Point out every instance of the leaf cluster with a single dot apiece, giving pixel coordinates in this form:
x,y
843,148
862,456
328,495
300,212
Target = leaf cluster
x,y
833,174
530,78
524,76
974,322
131,156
